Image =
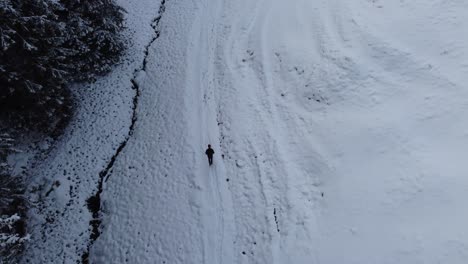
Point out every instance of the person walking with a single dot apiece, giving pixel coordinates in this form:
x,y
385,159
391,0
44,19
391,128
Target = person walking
x,y
209,152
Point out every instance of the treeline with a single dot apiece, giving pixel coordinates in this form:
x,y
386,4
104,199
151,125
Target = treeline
x,y
12,206
45,45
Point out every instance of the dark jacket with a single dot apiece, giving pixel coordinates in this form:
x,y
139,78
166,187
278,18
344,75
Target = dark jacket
x,y
209,152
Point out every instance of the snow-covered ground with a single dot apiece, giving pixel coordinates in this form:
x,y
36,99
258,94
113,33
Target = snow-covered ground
x,y
340,129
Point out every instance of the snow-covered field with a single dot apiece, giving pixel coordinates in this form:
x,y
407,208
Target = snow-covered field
x,y
340,129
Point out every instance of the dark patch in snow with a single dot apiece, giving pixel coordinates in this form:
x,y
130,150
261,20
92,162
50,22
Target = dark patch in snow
x,y
55,184
298,70
94,202
276,220
250,54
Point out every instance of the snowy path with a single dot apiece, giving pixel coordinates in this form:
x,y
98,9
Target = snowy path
x,y
342,126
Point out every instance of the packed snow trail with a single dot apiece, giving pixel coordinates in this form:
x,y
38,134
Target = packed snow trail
x,y
339,127
164,204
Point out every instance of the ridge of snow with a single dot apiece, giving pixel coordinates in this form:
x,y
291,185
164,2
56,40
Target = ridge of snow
x,y
94,202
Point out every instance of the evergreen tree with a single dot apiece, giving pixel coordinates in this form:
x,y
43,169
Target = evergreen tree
x,y
95,42
31,76
44,45
12,205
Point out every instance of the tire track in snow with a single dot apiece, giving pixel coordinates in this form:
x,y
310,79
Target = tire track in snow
x,y
271,169
275,187
94,202
246,162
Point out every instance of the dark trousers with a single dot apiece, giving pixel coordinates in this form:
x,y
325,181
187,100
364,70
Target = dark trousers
x,y
210,160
